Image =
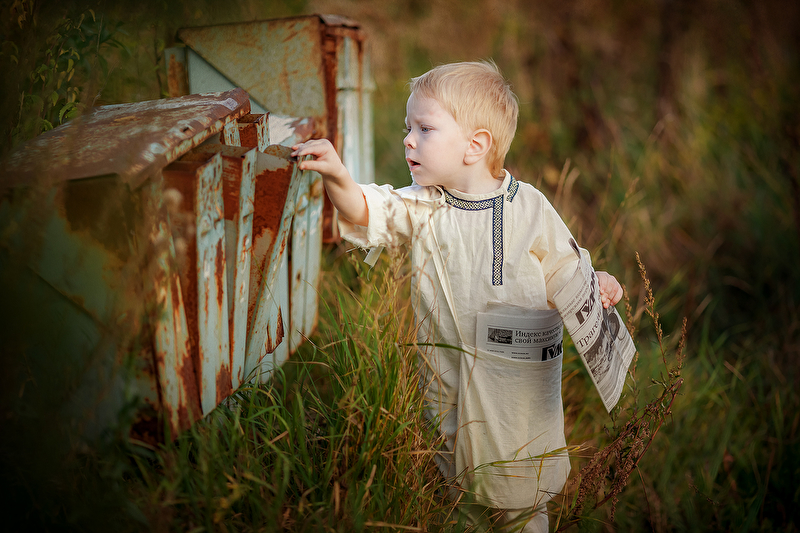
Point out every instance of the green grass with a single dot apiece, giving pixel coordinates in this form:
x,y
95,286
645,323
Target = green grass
x,y
334,442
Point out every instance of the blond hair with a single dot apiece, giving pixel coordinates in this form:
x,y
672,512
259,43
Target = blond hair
x,y
477,96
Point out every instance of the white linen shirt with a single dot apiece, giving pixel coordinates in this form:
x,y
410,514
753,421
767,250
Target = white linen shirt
x,y
506,246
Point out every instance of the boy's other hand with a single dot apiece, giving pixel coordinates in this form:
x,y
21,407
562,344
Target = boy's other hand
x,y
326,161
610,289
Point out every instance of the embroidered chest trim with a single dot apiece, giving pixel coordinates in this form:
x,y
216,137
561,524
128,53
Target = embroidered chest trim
x,y
496,205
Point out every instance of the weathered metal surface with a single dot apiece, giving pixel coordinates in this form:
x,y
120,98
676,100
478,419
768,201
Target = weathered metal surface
x,y
177,381
207,267
230,134
133,140
254,131
278,62
317,69
313,264
81,258
177,79
297,269
277,182
70,274
204,280
189,268
238,180
288,131
305,258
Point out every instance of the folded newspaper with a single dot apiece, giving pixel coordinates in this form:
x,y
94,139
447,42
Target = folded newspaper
x,y
520,333
599,335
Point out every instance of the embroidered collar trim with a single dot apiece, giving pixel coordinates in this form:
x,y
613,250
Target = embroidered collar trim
x,y
496,204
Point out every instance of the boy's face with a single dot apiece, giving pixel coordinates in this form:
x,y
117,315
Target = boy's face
x,y
435,144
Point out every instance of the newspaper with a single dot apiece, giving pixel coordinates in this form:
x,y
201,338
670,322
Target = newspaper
x,y
519,333
600,336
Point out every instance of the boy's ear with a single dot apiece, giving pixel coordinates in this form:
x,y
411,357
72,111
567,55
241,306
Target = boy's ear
x,y
479,145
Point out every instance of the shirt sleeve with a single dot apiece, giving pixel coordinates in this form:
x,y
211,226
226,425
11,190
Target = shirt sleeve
x,y
389,219
552,248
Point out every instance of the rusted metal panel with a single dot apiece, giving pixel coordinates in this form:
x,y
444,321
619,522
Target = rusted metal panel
x,y
348,100
277,182
83,260
239,189
192,263
204,77
204,279
230,134
278,62
316,70
69,252
305,259
288,131
279,313
313,262
254,131
352,123
238,175
297,264
133,140
177,376
177,79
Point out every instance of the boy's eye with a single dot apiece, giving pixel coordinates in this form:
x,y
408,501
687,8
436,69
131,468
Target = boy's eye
x,y
424,129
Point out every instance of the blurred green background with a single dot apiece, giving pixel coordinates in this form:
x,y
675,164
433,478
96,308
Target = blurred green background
x,y
670,128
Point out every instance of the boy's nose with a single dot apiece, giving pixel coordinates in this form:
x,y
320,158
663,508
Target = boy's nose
x,y
408,141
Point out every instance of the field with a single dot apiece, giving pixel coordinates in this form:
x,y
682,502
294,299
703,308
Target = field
x,y
667,134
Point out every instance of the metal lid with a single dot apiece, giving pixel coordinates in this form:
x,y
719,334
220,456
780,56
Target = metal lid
x,y
130,140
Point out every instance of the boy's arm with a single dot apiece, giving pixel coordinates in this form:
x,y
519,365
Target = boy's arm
x,y
610,289
344,192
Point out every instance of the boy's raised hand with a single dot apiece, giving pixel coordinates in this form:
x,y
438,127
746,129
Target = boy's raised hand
x,y
610,289
343,192
326,161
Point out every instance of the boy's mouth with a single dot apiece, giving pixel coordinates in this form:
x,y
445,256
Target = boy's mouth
x,y
412,164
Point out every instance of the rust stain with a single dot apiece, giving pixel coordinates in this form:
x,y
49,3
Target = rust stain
x,y
279,329
269,347
269,203
219,271
175,295
286,87
254,131
248,135
271,190
231,185
189,411
330,231
224,387
283,243
271,344
331,68
177,83
183,231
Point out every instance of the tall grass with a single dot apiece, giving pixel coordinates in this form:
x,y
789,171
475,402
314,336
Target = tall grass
x,y
334,442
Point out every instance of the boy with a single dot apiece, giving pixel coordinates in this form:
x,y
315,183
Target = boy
x,y
477,235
